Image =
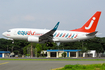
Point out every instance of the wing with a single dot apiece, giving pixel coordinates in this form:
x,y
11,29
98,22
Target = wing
x,y
49,35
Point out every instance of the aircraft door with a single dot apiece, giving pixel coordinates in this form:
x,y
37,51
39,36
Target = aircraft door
x,y
15,32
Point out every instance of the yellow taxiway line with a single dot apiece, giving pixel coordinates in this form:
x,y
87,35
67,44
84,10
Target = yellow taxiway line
x,y
4,63
57,68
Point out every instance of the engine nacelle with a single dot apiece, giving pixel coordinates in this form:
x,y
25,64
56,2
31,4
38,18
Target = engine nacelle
x,y
33,39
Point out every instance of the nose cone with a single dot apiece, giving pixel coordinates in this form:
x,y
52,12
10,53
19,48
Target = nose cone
x,y
4,34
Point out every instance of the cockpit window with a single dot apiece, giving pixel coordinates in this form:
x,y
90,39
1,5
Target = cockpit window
x,y
8,31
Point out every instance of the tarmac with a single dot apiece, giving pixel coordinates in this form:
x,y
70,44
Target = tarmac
x,y
39,65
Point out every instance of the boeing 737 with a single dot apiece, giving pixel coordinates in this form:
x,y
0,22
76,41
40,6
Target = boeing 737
x,y
87,31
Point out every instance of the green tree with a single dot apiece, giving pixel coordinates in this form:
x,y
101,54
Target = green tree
x,y
39,49
64,54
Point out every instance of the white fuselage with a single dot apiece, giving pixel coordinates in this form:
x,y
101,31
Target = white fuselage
x,y
87,31
58,36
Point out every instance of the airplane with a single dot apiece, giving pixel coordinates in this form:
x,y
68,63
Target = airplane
x,y
87,31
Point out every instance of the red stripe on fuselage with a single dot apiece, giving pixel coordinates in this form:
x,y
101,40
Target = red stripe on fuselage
x,y
69,36
64,35
57,34
76,36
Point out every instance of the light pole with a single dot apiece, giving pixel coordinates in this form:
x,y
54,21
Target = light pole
x,y
31,50
7,47
12,46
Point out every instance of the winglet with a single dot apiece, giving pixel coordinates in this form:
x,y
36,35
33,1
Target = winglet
x,y
56,26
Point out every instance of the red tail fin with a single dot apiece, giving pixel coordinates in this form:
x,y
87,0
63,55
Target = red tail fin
x,y
90,25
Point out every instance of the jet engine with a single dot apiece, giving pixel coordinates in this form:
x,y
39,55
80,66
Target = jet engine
x,y
33,39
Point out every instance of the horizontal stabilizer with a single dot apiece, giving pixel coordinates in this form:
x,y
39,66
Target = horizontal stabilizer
x,y
91,34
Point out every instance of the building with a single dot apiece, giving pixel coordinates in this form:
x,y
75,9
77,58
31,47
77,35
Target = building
x,y
58,53
90,53
4,54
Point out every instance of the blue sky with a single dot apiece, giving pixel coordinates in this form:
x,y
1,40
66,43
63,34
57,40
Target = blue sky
x,y
42,14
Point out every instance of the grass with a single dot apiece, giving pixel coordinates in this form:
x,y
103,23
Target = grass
x,y
84,67
52,59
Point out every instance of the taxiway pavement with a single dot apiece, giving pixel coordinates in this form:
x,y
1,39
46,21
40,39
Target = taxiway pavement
x,y
39,65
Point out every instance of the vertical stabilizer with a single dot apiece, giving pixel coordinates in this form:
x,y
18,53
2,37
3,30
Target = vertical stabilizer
x,y
91,24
